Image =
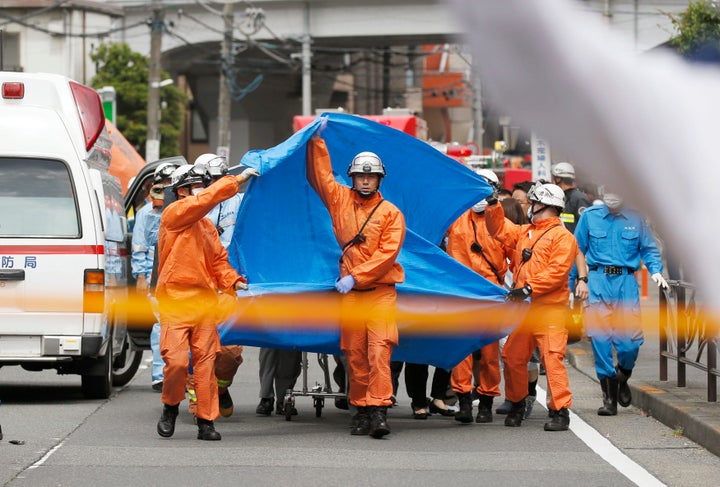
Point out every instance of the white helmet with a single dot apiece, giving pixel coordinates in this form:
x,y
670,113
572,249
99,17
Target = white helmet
x,y
489,176
189,174
217,165
547,194
366,163
563,170
164,171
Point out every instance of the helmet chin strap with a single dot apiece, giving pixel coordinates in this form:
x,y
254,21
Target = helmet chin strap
x,y
531,213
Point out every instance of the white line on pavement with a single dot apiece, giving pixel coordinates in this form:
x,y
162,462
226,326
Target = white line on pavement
x,y
605,449
46,456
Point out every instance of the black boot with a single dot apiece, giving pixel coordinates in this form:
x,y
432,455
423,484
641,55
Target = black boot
x,y
484,414
624,394
464,415
166,425
560,421
360,423
206,430
610,397
516,414
378,422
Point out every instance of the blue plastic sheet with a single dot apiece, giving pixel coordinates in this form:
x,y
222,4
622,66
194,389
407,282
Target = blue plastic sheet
x,y
285,244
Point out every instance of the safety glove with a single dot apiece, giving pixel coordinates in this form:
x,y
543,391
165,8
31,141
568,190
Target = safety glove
x,y
519,293
659,280
345,284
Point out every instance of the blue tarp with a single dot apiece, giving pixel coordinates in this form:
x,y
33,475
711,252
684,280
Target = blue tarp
x,y
285,242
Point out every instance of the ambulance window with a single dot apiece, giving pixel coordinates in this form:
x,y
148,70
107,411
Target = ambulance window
x,y
37,199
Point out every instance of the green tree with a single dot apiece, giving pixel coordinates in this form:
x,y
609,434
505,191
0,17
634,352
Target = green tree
x,y
127,71
698,28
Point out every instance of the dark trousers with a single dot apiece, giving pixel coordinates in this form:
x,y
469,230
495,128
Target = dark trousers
x,y
416,376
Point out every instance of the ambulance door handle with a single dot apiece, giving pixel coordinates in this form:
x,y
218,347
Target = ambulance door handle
x,y
12,275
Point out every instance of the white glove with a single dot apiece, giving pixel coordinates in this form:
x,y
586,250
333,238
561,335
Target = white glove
x,y
247,174
659,280
345,284
241,286
321,128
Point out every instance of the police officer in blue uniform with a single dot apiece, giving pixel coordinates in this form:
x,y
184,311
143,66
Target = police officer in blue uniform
x,y
614,239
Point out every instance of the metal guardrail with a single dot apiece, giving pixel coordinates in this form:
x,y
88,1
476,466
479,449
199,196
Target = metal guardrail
x,y
688,336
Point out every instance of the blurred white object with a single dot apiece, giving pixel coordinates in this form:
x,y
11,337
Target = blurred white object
x,y
632,121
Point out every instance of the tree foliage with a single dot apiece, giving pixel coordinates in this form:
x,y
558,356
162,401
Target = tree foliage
x,y
128,72
698,28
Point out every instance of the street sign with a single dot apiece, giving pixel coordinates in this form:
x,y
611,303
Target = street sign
x,y
540,158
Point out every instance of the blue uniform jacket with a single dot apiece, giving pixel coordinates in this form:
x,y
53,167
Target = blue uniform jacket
x,y
224,216
144,239
619,240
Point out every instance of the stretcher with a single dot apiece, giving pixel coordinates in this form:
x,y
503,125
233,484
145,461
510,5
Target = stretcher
x,y
319,392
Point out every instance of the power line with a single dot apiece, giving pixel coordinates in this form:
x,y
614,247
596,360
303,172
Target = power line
x,y
58,3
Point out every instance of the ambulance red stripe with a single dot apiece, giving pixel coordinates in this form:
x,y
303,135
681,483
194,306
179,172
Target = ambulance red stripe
x,y
52,249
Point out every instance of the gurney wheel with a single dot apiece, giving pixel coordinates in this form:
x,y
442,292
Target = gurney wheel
x,y
319,404
289,405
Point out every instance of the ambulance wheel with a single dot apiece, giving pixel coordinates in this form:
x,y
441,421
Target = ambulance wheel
x,y
127,364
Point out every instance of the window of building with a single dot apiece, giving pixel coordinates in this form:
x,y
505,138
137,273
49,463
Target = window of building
x,y
10,44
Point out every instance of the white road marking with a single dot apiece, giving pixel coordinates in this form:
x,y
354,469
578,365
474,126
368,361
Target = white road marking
x,y
605,449
46,456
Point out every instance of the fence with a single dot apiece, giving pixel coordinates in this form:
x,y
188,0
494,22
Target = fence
x,y
688,336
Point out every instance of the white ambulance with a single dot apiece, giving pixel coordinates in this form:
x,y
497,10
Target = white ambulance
x,y
63,236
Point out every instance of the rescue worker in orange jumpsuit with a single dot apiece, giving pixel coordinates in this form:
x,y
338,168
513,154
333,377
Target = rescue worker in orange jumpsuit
x,y
229,359
370,232
469,242
544,252
196,287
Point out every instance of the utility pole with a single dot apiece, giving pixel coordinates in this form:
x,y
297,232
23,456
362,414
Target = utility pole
x,y
306,66
224,99
152,145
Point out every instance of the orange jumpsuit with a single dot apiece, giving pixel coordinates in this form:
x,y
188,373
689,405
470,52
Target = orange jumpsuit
x,y
547,273
367,342
465,231
193,268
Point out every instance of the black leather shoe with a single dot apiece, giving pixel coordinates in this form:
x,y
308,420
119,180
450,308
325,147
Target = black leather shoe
x,y
166,425
265,408
419,413
442,411
206,430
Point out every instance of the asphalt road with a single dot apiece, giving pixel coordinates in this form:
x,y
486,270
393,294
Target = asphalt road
x,y
71,441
